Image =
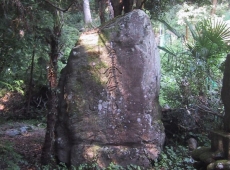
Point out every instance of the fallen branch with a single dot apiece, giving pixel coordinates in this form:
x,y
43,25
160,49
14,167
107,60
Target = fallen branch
x,y
207,110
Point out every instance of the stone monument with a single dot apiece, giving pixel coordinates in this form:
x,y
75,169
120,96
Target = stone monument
x,y
108,108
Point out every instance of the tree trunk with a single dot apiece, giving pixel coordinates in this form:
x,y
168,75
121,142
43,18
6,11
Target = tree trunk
x,y
48,147
225,94
87,13
138,3
30,83
102,6
117,7
128,5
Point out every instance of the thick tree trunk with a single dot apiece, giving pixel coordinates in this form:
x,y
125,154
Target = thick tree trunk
x,y
102,6
119,5
225,94
87,12
140,4
128,5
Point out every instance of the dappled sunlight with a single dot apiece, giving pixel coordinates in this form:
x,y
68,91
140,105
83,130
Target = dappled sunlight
x,y
4,100
2,107
191,13
6,97
89,39
11,103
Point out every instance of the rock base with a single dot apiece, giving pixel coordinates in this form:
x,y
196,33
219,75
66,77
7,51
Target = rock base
x,y
220,164
216,157
221,141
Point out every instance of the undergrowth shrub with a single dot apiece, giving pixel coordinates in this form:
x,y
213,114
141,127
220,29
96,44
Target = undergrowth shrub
x,y
174,158
9,159
92,166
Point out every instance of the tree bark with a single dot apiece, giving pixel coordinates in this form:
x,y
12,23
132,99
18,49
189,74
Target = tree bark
x,y
225,94
102,6
30,83
138,3
127,5
48,147
117,7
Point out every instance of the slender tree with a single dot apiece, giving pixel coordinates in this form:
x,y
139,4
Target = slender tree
x,y
53,41
87,13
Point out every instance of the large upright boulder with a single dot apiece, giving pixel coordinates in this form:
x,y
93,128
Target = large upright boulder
x,y
108,100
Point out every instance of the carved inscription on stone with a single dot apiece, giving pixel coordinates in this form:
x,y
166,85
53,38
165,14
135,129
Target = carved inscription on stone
x,y
113,71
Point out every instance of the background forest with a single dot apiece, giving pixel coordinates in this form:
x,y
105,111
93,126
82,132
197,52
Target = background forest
x,y
37,36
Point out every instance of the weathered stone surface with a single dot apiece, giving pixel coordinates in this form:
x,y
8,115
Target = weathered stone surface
x,y
12,132
108,100
192,144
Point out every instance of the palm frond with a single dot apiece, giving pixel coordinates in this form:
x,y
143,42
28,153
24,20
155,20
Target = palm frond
x,y
167,50
170,28
210,38
192,30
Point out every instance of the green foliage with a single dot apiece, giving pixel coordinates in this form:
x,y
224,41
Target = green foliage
x,y
25,26
160,8
93,166
191,66
202,139
3,91
210,39
17,85
114,166
88,166
175,158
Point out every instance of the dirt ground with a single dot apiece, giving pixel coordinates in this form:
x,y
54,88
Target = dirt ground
x,y
28,145
21,151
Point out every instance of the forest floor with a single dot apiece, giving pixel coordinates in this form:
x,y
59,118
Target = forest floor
x,y
20,140
21,151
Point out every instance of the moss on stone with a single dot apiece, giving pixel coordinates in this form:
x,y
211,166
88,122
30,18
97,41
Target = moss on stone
x,y
220,164
206,157
103,38
201,154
